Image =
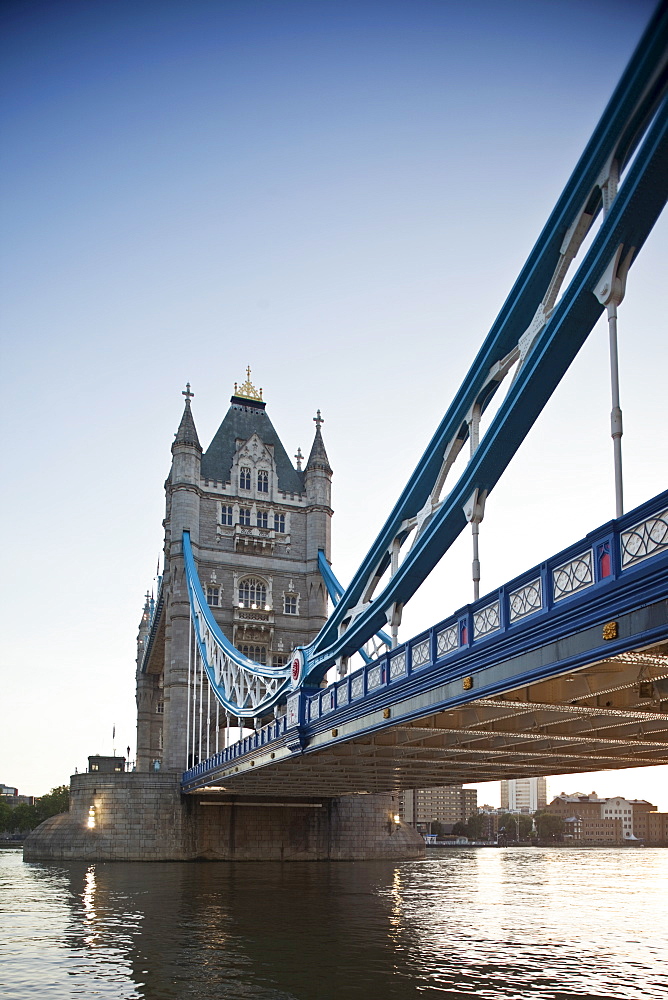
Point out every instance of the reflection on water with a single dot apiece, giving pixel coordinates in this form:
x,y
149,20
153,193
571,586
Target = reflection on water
x,y
497,924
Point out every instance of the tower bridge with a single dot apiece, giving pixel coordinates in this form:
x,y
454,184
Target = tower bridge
x,y
563,669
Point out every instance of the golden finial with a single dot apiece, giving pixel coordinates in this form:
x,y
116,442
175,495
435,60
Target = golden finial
x,y
247,390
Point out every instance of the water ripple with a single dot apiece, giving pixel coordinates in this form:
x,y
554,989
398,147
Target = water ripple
x,y
493,924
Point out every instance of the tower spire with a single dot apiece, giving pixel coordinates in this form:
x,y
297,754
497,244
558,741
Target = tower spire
x,y
187,432
318,457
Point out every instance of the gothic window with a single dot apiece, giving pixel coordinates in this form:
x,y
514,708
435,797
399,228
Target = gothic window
x,y
244,515
262,519
160,708
290,604
263,481
257,653
244,478
279,523
226,514
279,661
252,593
213,596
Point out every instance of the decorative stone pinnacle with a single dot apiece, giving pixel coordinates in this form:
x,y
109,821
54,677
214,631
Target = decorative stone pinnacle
x,y
247,390
187,393
299,458
318,420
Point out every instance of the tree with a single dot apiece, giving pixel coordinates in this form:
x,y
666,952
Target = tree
x,y
5,816
56,801
24,818
515,826
549,826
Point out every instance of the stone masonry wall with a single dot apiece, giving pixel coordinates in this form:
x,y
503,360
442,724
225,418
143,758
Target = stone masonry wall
x,y
144,817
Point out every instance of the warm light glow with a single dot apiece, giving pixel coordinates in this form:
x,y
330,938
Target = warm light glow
x,y
397,818
91,818
266,607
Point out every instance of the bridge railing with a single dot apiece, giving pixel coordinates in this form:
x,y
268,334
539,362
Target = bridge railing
x,y
262,737
616,549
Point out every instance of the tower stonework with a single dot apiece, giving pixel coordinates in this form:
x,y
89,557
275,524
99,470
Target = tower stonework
x,y
256,525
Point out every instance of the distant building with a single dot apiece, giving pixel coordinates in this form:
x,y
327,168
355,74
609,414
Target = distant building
x,y
615,820
525,795
446,804
10,795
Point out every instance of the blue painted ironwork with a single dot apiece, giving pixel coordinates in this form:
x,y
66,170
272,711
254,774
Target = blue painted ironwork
x,y
637,110
423,664
242,687
335,591
540,336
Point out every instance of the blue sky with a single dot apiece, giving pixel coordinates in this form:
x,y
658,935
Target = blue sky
x,y
339,194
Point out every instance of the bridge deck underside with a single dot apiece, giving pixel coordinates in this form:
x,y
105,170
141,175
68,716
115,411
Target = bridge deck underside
x,y
611,714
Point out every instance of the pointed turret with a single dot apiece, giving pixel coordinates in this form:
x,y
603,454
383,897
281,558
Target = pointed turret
x,y
184,478
318,484
187,432
318,457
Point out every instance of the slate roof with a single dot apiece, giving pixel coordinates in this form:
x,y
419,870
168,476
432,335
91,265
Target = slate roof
x,y
244,418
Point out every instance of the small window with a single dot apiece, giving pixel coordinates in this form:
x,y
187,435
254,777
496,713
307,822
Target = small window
x,y
244,478
279,523
226,514
263,481
244,515
213,596
257,653
280,661
160,708
290,604
95,767
262,519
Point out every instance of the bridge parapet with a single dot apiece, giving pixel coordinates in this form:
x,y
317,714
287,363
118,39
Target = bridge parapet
x,y
587,588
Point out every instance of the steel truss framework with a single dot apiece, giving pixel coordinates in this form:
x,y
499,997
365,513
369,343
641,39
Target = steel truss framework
x,y
623,173
578,684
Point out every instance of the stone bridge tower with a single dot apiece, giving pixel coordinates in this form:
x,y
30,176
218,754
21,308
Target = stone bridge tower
x,y
256,524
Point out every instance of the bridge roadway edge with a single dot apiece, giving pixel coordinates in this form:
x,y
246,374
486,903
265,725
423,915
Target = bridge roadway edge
x,y
145,817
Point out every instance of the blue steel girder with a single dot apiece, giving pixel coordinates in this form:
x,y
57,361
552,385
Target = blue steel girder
x,y
541,338
335,590
616,609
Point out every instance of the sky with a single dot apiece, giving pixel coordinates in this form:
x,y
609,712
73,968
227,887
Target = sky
x,y
338,193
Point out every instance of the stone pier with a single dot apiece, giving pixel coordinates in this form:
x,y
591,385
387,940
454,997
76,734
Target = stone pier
x,y
144,817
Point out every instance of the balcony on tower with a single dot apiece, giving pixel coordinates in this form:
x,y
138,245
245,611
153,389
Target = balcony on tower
x,y
250,538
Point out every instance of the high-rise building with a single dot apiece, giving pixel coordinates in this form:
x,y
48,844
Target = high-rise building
x,y
444,804
525,795
256,524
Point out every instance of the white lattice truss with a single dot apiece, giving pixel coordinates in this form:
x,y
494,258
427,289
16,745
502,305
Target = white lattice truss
x,y
244,688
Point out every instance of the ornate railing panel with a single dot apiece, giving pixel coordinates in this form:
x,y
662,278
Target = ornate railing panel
x,y
525,600
574,575
644,539
486,620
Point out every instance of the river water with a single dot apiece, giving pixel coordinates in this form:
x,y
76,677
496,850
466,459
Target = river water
x,y
494,923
